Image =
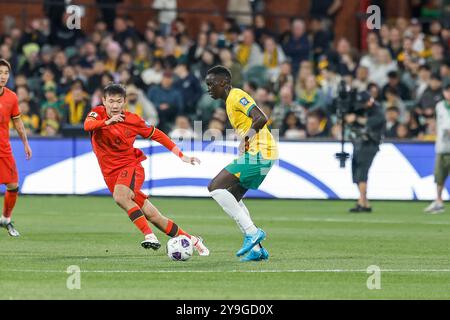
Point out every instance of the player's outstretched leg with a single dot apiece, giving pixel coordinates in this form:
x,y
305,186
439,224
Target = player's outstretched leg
x,y
123,197
11,194
171,228
219,189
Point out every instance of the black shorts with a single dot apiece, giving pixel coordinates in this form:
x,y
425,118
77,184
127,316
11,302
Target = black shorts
x,y
361,161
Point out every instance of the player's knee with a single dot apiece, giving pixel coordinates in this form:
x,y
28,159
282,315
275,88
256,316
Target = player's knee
x,y
121,198
12,186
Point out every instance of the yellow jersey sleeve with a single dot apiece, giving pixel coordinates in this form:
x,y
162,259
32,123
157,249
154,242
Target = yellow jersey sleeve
x,y
243,102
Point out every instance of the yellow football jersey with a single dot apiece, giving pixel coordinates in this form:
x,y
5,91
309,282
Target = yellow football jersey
x,y
239,104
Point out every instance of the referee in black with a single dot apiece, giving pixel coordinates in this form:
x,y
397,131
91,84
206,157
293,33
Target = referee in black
x,y
367,124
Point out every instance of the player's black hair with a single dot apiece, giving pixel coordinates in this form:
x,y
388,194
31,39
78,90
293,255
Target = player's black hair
x,y
3,62
113,89
220,70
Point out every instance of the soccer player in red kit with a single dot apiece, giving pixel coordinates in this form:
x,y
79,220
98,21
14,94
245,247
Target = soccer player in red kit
x,y
113,132
9,109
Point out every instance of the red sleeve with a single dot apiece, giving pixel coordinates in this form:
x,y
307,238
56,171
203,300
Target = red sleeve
x,y
15,112
93,121
144,130
164,140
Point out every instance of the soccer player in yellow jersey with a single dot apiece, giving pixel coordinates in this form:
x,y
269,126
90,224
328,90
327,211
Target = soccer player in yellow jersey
x,y
257,154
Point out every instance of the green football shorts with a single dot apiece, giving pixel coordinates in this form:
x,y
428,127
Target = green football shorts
x,y
250,169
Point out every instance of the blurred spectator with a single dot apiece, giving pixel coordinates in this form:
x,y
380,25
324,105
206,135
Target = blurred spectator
x,y
248,53
30,120
77,105
311,97
63,37
51,123
273,57
285,106
395,43
244,10
402,132
316,124
284,78
297,46
437,57
423,81
183,129
361,81
432,95
415,128
343,57
154,74
108,10
190,88
30,68
167,100
260,30
324,8
113,51
321,38
395,83
196,50
208,60
52,101
392,122
393,100
215,130
383,66
23,95
166,14
227,60
138,103
292,128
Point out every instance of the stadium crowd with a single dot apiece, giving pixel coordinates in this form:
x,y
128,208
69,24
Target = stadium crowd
x,y
58,74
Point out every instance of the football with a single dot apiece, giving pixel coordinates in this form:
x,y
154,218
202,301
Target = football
x,y
179,248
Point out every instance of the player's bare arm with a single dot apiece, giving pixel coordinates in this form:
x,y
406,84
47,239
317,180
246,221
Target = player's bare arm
x,y
20,128
259,120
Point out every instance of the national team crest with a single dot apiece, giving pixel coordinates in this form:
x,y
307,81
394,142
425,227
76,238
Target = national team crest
x,y
244,101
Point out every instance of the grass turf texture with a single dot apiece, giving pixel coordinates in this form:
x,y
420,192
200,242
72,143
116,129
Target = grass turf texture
x,y
318,251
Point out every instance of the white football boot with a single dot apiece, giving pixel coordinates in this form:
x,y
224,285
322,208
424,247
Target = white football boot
x,y
434,208
200,246
10,227
151,242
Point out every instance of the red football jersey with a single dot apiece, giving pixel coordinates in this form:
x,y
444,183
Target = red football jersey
x,y
113,144
9,109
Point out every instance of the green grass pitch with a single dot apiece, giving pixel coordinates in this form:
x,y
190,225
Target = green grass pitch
x,y
318,251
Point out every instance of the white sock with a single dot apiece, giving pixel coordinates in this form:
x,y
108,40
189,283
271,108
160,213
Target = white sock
x,y
229,204
244,207
5,220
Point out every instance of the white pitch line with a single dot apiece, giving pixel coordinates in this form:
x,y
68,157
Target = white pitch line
x,y
238,271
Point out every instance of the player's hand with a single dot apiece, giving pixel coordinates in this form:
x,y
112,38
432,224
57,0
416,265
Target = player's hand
x,y
244,146
191,160
115,118
28,152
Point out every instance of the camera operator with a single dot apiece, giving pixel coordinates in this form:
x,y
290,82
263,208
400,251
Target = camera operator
x,y
366,122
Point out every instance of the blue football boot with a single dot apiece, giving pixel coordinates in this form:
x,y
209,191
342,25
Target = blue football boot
x,y
257,255
250,241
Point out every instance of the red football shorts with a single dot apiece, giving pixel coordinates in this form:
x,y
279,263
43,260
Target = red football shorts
x,y
8,170
132,177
